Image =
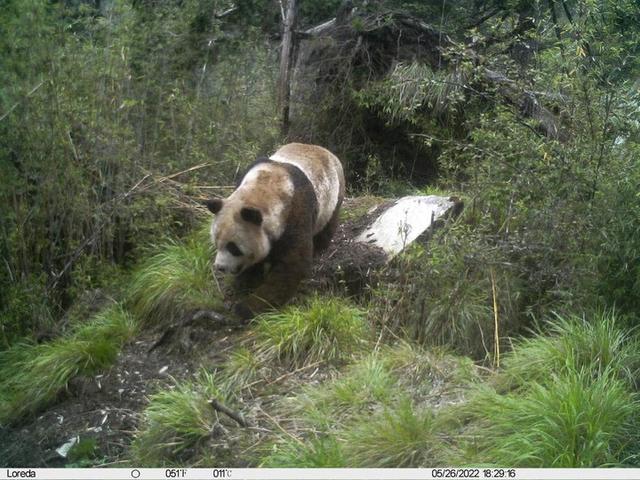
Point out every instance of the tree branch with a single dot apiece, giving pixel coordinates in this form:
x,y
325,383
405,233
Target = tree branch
x,y
228,412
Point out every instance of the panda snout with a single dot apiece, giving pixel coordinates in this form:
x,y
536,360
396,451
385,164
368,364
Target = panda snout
x,y
225,269
220,268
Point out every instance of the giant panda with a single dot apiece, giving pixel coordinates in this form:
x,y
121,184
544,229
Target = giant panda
x,y
284,210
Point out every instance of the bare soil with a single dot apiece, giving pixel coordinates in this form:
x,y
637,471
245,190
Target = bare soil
x,y
348,265
106,407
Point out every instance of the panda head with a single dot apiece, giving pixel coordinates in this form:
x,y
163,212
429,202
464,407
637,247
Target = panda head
x,y
238,234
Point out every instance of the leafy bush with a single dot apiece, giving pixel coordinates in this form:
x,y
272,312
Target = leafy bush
x,y
618,220
86,184
25,311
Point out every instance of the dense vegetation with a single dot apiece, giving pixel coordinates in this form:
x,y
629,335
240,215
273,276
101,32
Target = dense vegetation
x,y
508,339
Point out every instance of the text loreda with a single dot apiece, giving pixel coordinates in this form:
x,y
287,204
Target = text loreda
x,y
21,473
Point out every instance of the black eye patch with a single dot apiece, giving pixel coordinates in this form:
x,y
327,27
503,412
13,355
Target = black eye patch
x,y
233,249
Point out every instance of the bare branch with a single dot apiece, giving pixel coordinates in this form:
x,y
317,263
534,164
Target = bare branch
x,y
228,412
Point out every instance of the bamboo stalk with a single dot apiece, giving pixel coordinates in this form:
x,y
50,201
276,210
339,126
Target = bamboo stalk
x,y
496,335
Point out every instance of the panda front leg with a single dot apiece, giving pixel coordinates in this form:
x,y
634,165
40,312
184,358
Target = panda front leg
x,y
281,283
250,279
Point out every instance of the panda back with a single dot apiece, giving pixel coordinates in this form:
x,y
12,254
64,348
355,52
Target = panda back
x,y
324,171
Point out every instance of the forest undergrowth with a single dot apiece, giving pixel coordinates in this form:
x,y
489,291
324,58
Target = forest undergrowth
x,y
507,338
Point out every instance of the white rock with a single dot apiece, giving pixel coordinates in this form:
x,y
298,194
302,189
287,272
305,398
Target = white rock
x,y
63,450
404,221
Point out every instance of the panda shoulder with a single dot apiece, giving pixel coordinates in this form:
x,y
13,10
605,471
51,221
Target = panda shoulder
x,y
258,161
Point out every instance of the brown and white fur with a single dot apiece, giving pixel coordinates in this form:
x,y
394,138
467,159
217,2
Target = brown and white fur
x,y
284,210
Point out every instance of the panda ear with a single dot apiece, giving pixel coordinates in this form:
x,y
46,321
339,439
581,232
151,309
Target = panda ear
x,y
251,215
214,204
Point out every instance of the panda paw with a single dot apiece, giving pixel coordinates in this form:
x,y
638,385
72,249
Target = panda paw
x,y
242,311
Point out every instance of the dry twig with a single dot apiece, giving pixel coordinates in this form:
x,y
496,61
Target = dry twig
x,y
215,403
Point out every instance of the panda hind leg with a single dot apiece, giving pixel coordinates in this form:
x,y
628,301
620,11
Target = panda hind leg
x,y
322,240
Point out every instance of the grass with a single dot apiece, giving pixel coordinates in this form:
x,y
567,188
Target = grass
x,y
242,368
398,436
33,375
176,280
572,345
443,295
563,399
378,381
395,436
176,422
363,386
366,417
573,421
325,329
415,364
322,452
359,207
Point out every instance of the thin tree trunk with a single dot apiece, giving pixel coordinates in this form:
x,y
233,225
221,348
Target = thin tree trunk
x,y
286,65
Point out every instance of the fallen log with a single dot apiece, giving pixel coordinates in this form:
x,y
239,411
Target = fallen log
x,y
404,221
364,246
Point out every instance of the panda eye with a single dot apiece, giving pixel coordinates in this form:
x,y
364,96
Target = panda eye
x,y
233,249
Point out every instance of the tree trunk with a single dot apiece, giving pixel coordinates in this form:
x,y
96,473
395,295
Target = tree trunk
x,y
286,64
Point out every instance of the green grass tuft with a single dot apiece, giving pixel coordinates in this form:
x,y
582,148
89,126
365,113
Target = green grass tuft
x,y
574,421
328,329
174,281
33,375
242,368
359,206
323,452
574,344
399,436
365,384
417,365
562,400
176,421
